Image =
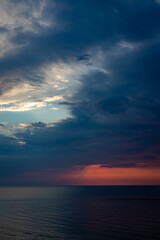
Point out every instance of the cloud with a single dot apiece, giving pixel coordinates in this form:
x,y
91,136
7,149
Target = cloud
x,y
28,105
98,60
20,17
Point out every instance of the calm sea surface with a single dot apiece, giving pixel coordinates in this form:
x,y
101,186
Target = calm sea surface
x,y
79,213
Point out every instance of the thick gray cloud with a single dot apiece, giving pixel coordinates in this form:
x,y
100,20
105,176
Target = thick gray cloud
x,y
80,25
116,108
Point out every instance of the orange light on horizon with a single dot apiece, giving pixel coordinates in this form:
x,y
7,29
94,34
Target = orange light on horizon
x,y
99,175
94,174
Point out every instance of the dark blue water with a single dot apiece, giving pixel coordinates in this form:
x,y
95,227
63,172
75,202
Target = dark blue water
x,y
80,213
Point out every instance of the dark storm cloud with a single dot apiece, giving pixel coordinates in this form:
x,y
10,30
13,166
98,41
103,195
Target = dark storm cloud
x,y
83,24
116,113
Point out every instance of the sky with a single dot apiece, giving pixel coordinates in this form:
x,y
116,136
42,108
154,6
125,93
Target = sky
x,y
79,92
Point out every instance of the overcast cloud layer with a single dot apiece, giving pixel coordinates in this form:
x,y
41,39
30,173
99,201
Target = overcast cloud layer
x,y
79,85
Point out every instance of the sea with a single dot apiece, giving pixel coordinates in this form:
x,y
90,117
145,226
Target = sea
x,y
80,213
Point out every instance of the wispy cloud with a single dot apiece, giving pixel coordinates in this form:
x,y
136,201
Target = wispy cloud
x,y
19,106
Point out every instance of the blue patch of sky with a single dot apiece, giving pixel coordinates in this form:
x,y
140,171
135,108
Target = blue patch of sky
x,y
46,114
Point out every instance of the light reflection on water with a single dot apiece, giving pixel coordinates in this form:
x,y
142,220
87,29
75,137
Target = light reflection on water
x,y
79,213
